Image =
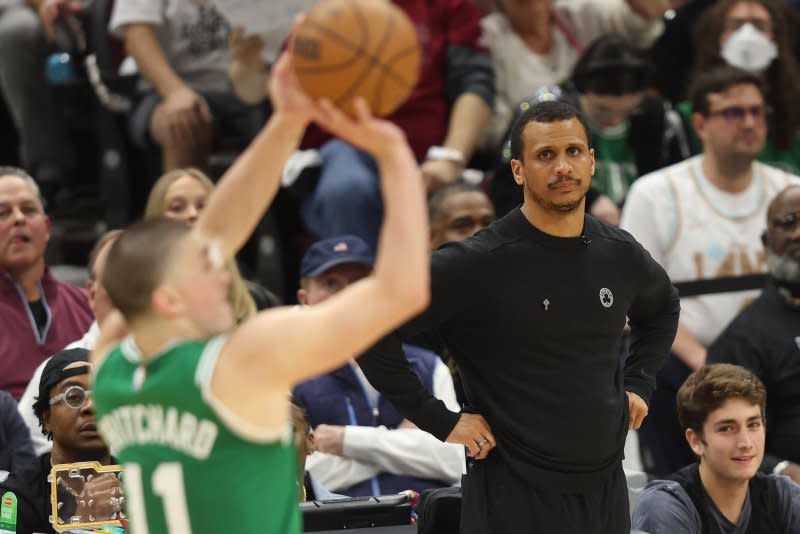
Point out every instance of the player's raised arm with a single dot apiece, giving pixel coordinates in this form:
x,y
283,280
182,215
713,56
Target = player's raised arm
x,y
290,345
248,187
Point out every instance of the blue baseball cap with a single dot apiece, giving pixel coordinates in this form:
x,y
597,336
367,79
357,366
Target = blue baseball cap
x,y
328,253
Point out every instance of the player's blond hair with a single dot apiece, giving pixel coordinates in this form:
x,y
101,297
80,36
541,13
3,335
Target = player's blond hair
x,y
137,263
238,295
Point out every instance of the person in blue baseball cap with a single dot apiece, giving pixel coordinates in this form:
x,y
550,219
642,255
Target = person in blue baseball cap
x,y
324,255
363,445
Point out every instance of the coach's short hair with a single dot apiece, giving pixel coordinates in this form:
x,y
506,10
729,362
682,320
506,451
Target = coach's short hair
x,y
709,387
137,263
547,111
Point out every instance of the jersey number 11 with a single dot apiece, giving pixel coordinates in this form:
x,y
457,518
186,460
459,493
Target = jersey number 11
x,y
167,482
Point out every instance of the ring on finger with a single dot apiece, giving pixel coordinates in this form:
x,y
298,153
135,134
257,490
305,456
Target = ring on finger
x,y
483,442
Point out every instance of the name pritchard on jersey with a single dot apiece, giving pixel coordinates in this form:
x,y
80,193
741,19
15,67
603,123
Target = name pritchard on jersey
x,y
140,424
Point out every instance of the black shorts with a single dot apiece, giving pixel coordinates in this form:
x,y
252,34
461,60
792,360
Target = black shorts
x,y
234,121
497,501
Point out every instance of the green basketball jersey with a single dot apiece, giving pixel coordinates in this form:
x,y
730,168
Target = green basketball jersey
x,y
190,465
615,162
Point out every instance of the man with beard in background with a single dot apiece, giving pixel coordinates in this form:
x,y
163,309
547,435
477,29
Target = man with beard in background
x,y
765,336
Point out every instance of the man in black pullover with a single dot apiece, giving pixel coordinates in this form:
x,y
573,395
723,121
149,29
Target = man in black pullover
x,y
532,309
765,336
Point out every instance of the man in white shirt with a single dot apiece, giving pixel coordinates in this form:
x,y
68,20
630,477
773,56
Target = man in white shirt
x,y
703,219
363,446
181,51
101,306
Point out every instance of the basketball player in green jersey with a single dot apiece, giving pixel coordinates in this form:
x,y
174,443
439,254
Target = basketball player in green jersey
x,y
197,412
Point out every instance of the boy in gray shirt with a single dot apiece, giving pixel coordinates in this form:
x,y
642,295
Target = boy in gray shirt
x,y
721,407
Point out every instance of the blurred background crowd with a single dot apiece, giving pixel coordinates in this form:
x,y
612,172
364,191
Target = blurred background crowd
x,y
117,110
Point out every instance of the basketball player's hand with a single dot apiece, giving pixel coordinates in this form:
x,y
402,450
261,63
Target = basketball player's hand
x,y
637,409
439,173
285,93
246,49
371,134
186,113
284,89
329,439
473,432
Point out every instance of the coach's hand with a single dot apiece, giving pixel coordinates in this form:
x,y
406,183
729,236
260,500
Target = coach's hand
x,y
637,409
473,432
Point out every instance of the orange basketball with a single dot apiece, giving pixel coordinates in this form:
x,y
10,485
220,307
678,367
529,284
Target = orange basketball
x,y
350,48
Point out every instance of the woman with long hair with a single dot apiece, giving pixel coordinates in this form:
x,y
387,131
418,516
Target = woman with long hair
x,y
181,194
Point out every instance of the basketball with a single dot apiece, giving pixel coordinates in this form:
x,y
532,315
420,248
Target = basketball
x,y
350,48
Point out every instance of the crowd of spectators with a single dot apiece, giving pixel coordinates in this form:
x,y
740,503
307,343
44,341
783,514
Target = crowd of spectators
x,y
697,161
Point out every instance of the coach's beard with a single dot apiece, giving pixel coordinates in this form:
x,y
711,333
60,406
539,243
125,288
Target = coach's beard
x,y
563,207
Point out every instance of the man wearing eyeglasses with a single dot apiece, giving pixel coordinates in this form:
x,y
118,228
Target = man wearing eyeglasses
x,y
703,219
65,410
765,337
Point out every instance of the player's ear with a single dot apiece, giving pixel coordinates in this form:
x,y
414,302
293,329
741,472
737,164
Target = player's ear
x,y
165,302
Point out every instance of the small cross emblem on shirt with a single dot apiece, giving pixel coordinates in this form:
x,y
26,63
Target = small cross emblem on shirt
x,y
546,304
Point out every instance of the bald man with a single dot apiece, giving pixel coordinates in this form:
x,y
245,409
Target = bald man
x,y
456,212
764,336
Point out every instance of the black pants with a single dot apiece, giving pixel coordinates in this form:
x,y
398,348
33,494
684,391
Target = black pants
x,y
497,501
661,436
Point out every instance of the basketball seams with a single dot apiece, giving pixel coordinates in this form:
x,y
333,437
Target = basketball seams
x,y
369,60
398,78
373,60
385,66
356,49
359,51
387,76
391,75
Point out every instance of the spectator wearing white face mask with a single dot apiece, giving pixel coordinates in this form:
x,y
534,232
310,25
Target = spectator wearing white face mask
x,y
754,35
